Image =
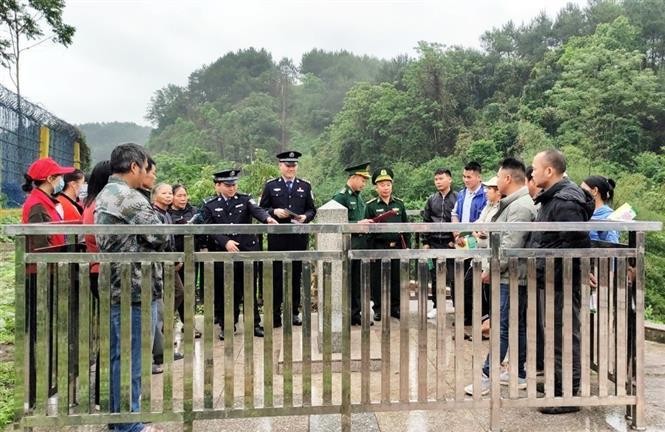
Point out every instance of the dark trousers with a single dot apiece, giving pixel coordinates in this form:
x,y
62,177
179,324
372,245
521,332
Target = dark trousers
x,y
238,293
286,242
467,286
375,278
558,339
356,302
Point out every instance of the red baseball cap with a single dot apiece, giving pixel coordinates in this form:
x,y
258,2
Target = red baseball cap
x,y
42,168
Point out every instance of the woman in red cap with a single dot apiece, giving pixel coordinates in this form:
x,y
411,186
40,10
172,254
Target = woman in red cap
x,y
43,180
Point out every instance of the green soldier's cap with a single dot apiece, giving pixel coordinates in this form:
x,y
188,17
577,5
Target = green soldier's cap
x,y
289,157
381,174
229,176
360,169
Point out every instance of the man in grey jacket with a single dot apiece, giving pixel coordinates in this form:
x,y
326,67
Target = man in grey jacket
x,y
516,206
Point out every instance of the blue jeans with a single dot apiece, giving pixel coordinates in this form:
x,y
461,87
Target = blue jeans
x,y
505,320
135,363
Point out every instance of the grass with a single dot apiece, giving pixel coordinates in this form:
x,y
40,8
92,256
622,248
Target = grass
x,y
6,333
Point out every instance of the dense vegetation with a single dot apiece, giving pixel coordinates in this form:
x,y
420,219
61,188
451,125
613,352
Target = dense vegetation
x,y
590,81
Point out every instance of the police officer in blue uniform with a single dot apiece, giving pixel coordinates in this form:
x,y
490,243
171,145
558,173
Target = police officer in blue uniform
x,y
288,199
231,207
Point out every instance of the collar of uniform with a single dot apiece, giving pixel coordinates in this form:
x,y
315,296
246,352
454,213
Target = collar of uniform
x,y
390,200
351,191
294,180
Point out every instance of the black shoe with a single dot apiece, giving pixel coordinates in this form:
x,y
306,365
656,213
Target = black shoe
x,y
221,333
258,331
394,313
377,316
178,356
559,410
357,321
297,321
276,322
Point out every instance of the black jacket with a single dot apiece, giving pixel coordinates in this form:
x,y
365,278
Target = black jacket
x,y
239,209
299,200
439,209
563,202
183,216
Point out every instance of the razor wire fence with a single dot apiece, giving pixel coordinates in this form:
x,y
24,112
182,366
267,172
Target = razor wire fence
x,y
20,128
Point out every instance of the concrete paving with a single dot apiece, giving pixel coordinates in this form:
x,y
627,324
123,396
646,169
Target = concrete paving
x,y
523,419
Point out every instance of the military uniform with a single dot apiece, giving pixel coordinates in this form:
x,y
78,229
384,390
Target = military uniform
x,y
377,207
238,209
295,196
356,211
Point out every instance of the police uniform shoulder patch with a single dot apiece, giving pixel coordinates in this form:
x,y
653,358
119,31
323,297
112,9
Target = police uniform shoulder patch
x,y
342,191
371,201
303,180
272,179
398,199
208,199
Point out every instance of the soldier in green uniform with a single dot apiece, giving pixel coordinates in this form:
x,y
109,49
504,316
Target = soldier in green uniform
x,y
382,178
350,198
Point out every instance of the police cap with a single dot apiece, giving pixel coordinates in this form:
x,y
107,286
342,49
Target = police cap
x,y
229,176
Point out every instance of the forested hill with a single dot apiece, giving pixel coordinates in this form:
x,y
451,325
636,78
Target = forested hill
x,y
102,137
591,78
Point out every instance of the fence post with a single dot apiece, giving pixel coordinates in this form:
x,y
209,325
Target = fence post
x,y
495,360
346,334
44,140
22,380
77,154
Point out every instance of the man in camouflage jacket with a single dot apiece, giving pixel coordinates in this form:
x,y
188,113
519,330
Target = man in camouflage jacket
x,y
121,203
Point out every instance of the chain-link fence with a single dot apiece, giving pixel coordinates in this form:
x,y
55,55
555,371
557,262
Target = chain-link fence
x,y
20,142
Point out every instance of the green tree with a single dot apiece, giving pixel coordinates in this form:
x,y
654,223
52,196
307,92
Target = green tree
x,y
605,99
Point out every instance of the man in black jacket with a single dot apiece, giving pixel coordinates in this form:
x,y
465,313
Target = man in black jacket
x,y
438,209
288,199
561,201
232,207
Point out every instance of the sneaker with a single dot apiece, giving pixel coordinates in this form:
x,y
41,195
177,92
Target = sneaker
x,y
431,314
484,386
504,379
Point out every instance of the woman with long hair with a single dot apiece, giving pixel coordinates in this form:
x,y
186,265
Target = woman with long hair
x,y
602,190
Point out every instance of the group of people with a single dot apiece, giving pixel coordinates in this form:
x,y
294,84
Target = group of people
x,y
541,192
123,191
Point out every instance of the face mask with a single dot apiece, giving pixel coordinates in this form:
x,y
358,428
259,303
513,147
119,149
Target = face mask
x,y
83,192
60,186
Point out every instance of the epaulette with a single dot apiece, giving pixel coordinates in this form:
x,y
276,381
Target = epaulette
x,y
304,180
207,200
371,201
242,194
398,199
272,179
343,190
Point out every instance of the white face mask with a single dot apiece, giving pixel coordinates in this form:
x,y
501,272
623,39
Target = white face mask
x,y
57,188
83,191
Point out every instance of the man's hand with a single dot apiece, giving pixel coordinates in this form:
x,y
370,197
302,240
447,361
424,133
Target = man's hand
x,y
178,266
232,246
425,246
485,278
459,240
301,218
365,221
271,221
281,213
204,249
593,282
